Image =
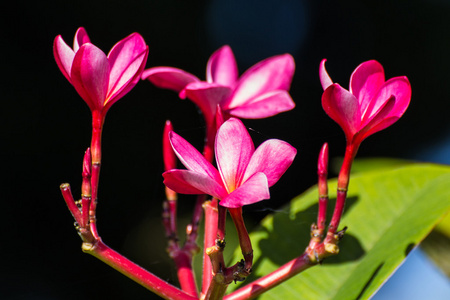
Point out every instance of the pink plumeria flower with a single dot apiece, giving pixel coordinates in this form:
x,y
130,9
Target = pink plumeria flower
x,y
101,79
371,103
262,91
244,174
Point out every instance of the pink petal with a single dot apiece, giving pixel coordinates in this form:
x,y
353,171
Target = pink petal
x,y
273,158
400,88
142,59
325,79
169,78
382,113
266,105
343,108
64,56
127,59
253,190
190,182
206,96
384,123
222,67
90,74
365,81
233,148
274,73
191,158
81,37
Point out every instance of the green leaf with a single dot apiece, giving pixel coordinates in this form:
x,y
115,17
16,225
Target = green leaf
x,y
370,164
388,213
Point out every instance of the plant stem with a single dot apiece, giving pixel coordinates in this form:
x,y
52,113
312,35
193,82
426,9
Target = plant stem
x,y
219,283
211,223
185,274
263,284
68,197
135,272
96,154
322,172
343,181
244,239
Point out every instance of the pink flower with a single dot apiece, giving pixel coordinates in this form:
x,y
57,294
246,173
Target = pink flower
x,y
371,103
262,91
101,79
244,174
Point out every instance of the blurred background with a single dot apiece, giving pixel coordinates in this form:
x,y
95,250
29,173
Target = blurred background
x,y
46,125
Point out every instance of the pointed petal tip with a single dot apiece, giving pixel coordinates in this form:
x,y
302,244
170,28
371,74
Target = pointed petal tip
x,y
322,166
169,78
222,67
325,79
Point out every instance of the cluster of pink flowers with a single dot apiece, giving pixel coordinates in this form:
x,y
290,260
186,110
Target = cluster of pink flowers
x,y
243,174
370,105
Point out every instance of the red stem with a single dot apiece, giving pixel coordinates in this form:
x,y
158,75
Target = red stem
x,y
210,210
96,154
244,239
263,284
211,223
86,188
222,219
135,272
186,277
322,172
343,181
67,195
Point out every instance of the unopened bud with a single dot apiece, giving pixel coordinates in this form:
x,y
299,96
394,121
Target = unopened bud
x,y
169,157
322,165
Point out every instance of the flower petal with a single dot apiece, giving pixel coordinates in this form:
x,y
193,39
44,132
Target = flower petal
x,y
234,148
139,62
81,37
343,108
266,105
377,126
365,81
127,59
325,79
273,158
222,67
273,73
190,182
251,191
90,74
169,78
206,96
191,158
64,56
400,88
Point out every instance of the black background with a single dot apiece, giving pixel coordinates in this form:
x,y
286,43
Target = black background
x,y
45,125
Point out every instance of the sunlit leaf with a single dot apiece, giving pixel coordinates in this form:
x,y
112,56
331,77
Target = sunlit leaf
x,y
388,213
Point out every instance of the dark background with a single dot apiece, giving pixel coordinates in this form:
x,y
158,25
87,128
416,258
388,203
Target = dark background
x,y
45,125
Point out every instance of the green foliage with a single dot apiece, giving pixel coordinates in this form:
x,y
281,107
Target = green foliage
x,y
388,213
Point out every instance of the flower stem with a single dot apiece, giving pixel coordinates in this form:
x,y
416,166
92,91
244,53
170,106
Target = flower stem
x,y
211,223
135,272
244,239
96,154
343,181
